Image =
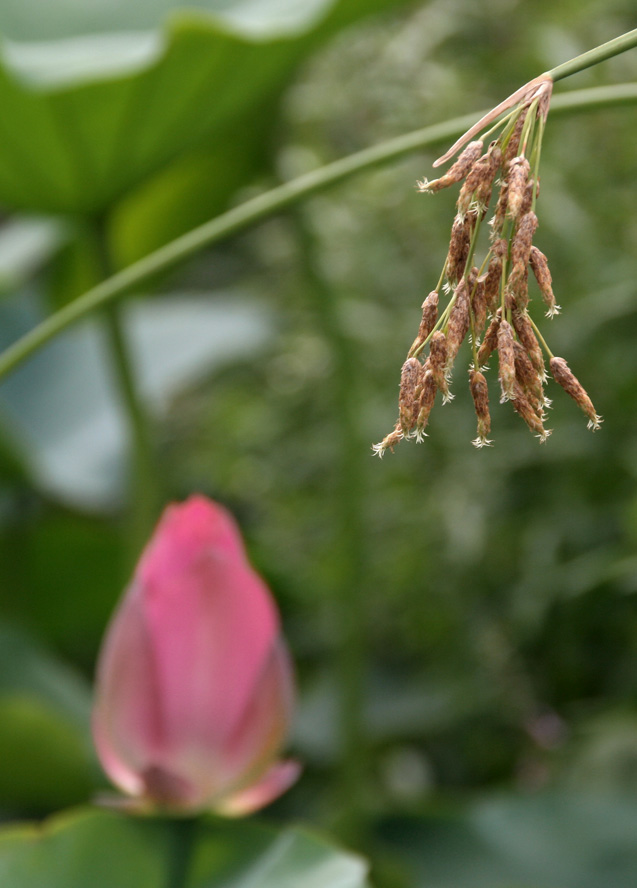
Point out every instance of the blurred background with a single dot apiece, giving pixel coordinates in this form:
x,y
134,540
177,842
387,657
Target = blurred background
x,y
464,622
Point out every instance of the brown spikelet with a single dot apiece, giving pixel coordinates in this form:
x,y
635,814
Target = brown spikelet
x,y
565,377
516,292
428,320
500,248
523,240
437,363
524,329
518,174
525,409
497,222
457,172
458,248
482,193
478,184
492,283
506,357
480,395
479,305
459,321
540,266
527,200
529,378
490,342
389,442
513,144
425,403
410,379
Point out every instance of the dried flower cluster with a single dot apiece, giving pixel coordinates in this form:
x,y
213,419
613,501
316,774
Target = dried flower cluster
x,y
489,303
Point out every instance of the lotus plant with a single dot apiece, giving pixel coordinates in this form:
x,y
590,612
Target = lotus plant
x,y
194,683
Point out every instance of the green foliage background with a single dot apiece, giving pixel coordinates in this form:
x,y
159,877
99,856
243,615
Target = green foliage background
x,y
490,595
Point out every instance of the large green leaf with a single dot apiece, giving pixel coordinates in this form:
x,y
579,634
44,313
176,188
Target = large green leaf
x,y
98,97
77,446
83,848
45,752
547,841
109,850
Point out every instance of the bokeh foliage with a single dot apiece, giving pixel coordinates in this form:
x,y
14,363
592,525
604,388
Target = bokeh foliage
x,y
495,590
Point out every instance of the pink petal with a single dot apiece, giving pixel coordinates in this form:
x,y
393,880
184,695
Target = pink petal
x,y
258,736
276,781
126,717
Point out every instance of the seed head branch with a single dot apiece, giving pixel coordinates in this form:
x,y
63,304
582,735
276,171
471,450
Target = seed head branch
x,y
489,302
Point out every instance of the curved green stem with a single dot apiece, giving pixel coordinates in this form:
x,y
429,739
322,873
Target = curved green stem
x,y
265,205
145,487
595,56
145,495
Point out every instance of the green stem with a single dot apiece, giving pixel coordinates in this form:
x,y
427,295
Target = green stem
x,y
595,56
183,836
538,333
349,540
265,205
536,161
145,496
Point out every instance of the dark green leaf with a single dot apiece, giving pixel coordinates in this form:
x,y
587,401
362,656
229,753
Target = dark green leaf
x,y
547,841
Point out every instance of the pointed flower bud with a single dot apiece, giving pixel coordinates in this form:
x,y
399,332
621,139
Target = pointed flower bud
x,y
194,685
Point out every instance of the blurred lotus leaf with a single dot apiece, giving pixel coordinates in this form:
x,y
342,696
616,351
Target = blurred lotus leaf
x,y
98,97
104,849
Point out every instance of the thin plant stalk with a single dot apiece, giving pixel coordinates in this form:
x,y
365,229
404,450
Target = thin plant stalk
x,y
350,556
270,203
595,56
145,488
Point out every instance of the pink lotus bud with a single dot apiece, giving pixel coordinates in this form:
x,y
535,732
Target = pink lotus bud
x,y
194,684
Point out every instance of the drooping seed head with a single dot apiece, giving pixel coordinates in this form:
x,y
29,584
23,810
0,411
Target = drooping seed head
x,y
455,173
506,357
437,363
540,266
513,144
480,395
490,342
428,320
523,240
479,305
389,442
426,402
518,174
565,377
459,321
524,329
528,377
529,193
458,247
476,190
410,378
525,409
497,222
492,283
